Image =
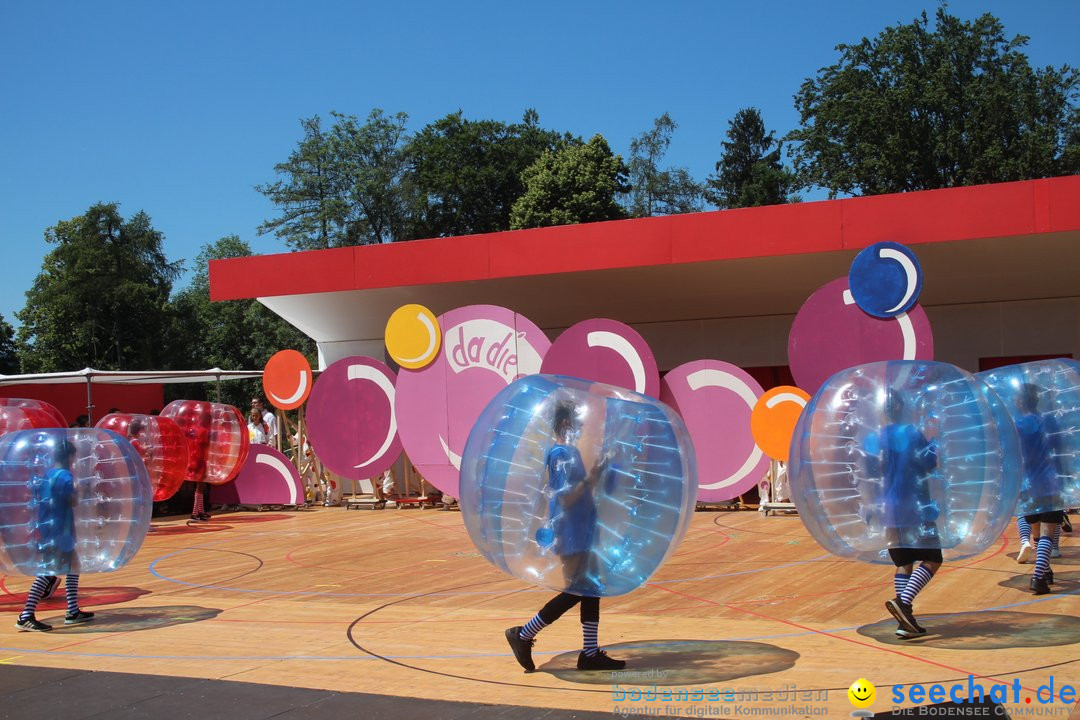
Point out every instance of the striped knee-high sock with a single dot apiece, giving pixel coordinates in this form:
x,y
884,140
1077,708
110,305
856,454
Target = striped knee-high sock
x,y
1023,529
531,628
71,589
900,581
1057,537
33,597
589,631
198,509
919,578
1042,556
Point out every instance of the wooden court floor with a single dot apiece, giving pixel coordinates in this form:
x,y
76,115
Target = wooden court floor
x,y
749,614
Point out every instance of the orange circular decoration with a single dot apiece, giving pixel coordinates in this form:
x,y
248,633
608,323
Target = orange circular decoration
x,y
287,379
413,336
773,419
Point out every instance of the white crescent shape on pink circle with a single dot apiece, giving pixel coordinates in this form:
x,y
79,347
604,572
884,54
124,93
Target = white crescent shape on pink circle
x,y
611,341
275,463
367,372
432,339
727,381
784,397
907,330
301,388
909,275
452,456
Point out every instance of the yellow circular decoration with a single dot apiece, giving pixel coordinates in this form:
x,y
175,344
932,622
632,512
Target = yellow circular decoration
x,y
413,336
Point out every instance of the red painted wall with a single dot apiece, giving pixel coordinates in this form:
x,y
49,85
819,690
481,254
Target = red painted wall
x,y
70,398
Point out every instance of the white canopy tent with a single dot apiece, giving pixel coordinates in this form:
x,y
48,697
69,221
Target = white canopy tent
x,y
89,376
127,377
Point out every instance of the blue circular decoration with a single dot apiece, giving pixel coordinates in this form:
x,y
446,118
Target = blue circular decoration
x,y
904,454
885,279
577,486
1043,398
71,501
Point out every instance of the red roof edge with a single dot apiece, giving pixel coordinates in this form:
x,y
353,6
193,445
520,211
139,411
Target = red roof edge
x,y
954,214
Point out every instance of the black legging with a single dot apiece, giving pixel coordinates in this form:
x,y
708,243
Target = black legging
x,y
573,565
590,608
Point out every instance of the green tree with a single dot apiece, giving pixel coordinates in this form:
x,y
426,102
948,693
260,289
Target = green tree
x,y
654,191
750,172
314,208
101,297
465,175
368,168
919,108
9,358
231,334
575,184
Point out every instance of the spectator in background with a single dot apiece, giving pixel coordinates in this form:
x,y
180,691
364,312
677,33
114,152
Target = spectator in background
x,y
268,418
257,429
388,484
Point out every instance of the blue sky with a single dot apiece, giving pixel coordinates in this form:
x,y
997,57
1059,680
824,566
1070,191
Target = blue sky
x,y
179,109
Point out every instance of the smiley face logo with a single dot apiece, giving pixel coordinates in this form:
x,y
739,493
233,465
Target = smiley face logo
x,y
862,693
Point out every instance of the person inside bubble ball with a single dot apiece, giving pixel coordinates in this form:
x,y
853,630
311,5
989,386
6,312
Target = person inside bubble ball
x,y
199,443
573,522
1041,486
903,458
55,498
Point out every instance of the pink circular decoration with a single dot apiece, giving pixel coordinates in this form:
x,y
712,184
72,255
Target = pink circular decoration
x,y
266,478
606,351
484,349
217,439
56,418
352,424
715,400
831,333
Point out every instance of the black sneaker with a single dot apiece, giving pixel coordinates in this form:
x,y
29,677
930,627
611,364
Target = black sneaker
x,y
1039,586
599,661
907,635
50,589
79,616
903,614
32,624
522,648
200,517
1048,576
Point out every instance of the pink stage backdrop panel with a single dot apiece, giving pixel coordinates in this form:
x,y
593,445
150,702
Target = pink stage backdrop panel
x,y
484,349
352,425
266,478
606,351
715,400
831,333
